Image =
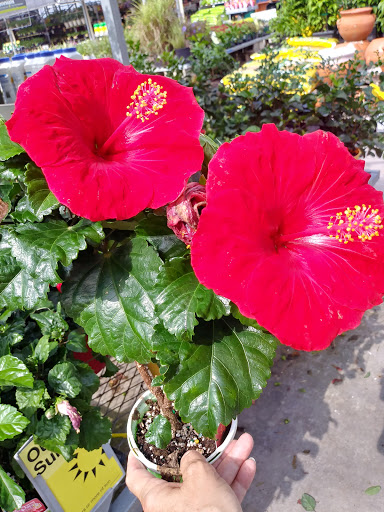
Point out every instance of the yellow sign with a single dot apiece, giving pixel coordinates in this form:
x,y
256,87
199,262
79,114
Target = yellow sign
x,y
77,485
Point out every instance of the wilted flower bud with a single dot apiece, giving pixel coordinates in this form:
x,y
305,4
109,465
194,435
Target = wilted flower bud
x,y
50,413
67,409
183,214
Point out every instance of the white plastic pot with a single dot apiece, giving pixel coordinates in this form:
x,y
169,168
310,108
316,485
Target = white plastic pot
x,y
142,407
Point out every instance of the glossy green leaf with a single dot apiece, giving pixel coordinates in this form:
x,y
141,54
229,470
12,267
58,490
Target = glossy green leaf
x,y
95,430
23,211
112,297
40,247
13,372
89,380
249,322
51,323
110,368
8,148
155,230
18,290
308,502
210,147
159,432
30,400
183,298
52,434
64,379
12,495
40,197
77,342
166,345
12,422
13,169
220,373
11,333
44,348
371,491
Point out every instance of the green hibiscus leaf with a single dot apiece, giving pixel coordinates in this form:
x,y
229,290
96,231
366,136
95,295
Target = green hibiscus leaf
x,y
40,247
183,298
51,323
112,297
77,342
23,211
18,290
110,368
44,348
12,422
89,380
64,379
210,147
8,149
30,400
155,230
52,434
159,432
166,345
71,444
95,430
221,373
12,496
13,169
10,334
40,197
249,322
13,372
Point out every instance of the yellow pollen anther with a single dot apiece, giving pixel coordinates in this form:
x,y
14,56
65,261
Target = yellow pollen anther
x,y
147,99
365,221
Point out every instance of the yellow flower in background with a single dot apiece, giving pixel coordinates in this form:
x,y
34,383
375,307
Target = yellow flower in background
x,y
377,92
307,32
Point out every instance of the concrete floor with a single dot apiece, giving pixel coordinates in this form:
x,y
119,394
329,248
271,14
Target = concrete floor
x,y
333,445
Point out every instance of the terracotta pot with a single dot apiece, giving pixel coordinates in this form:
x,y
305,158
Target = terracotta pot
x,y
360,47
261,6
375,50
356,24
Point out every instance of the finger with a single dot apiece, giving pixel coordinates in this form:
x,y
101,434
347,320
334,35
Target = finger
x,y
230,466
224,454
244,479
138,479
195,468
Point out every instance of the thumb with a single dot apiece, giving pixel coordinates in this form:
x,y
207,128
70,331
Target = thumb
x,y
194,468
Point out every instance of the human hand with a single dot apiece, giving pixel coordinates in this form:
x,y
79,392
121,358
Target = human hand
x,y
205,487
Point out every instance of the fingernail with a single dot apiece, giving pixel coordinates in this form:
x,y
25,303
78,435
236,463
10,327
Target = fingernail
x,y
252,458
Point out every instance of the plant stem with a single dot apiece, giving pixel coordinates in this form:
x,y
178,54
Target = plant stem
x,y
166,406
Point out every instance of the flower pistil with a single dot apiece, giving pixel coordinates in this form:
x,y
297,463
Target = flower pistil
x,y
147,99
361,222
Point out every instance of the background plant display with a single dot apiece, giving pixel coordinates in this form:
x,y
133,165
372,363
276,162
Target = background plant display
x,y
303,17
340,100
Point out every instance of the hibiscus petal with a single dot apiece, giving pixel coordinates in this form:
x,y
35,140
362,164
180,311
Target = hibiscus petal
x,y
71,119
263,241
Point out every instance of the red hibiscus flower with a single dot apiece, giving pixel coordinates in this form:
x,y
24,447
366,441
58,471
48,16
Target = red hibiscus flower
x,y
110,141
292,234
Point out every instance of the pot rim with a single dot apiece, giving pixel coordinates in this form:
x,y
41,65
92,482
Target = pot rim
x,y
150,465
358,10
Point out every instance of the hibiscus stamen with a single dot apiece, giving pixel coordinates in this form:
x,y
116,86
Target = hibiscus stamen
x,y
361,223
147,99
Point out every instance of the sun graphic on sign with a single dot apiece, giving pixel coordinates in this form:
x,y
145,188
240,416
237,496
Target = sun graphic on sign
x,y
86,463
